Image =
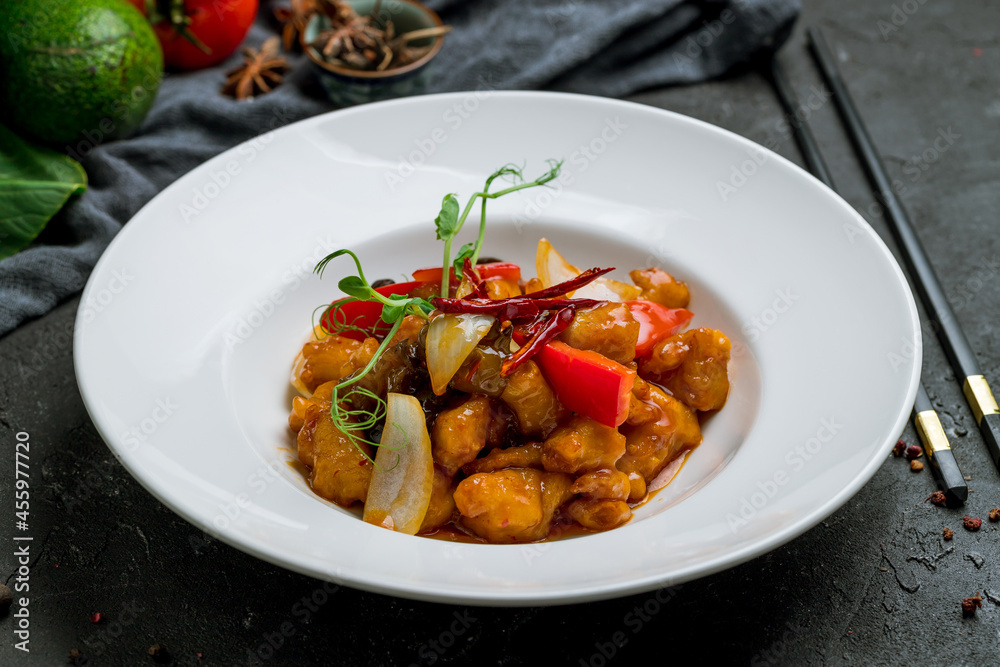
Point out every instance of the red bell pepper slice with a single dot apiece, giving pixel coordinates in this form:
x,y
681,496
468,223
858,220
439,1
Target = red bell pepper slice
x,y
504,270
587,383
364,314
656,322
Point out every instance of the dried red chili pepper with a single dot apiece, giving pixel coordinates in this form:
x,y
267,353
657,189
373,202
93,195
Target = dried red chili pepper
x,y
570,285
478,285
555,326
514,308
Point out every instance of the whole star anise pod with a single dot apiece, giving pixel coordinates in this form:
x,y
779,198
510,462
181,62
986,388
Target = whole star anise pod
x,y
260,72
294,19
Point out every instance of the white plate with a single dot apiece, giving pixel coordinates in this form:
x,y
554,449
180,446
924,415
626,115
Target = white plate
x,y
192,317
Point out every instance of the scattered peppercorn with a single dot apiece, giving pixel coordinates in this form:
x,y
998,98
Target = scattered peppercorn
x,y
970,605
994,514
6,597
938,498
947,533
914,452
916,466
77,658
971,523
159,653
96,617
900,447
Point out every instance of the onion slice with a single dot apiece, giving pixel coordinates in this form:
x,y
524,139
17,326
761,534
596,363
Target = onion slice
x,y
553,269
450,339
401,484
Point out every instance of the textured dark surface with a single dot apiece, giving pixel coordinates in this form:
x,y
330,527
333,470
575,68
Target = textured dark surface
x,y
875,584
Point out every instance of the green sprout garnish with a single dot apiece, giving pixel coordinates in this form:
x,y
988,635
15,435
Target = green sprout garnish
x,y
449,223
354,421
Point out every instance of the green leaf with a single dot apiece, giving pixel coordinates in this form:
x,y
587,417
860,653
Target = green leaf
x,y
392,313
354,286
34,184
447,220
465,251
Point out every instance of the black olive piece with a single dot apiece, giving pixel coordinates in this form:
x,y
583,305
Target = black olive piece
x,y
383,282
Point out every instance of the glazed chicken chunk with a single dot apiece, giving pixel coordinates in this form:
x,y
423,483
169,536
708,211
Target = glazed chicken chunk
x,y
459,434
694,366
659,428
659,286
512,505
609,330
339,471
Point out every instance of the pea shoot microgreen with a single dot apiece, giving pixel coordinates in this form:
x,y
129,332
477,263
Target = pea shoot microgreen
x,y
354,421
449,222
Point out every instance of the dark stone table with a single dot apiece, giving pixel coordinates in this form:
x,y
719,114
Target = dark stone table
x,y
875,584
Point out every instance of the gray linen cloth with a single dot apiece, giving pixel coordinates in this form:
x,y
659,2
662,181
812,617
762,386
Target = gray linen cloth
x,y
599,47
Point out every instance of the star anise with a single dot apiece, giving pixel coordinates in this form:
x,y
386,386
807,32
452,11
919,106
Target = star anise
x,y
294,20
261,71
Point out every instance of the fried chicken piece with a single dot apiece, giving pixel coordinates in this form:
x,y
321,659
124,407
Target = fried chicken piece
x,y
339,471
659,286
531,398
582,445
607,484
693,366
525,456
459,433
657,433
512,505
442,505
599,513
409,329
334,358
609,330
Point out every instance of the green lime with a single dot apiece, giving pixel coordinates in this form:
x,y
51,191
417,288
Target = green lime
x,y
76,69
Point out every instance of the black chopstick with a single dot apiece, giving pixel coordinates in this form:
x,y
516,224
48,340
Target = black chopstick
x,y
956,346
939,453
928,425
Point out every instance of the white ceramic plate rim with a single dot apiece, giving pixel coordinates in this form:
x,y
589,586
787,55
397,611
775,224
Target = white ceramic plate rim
x,y
441,592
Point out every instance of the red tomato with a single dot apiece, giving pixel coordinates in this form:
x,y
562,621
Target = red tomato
x,y
656,322
198,33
